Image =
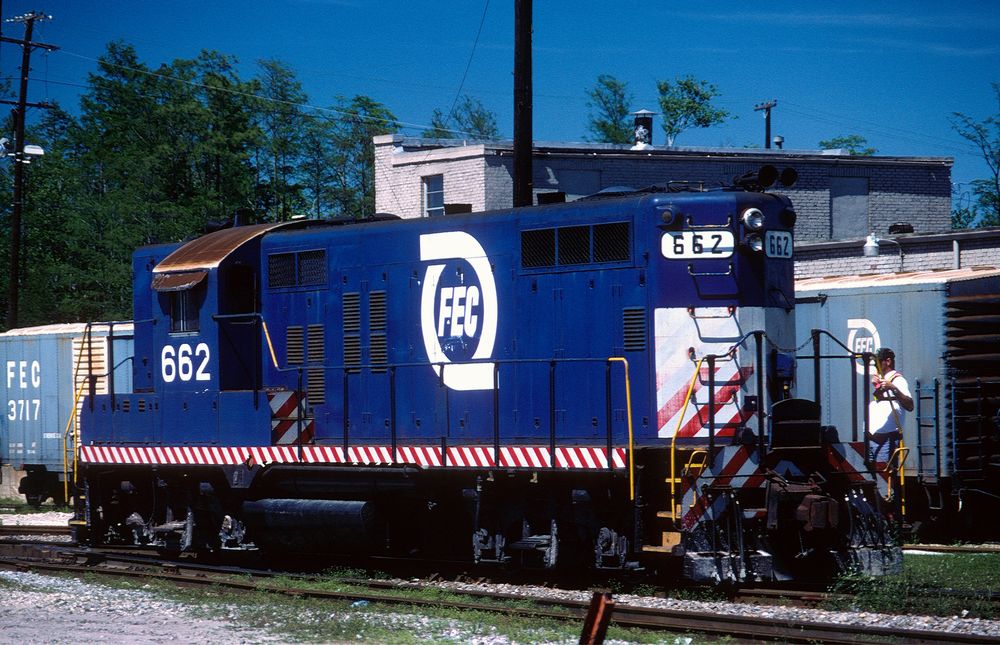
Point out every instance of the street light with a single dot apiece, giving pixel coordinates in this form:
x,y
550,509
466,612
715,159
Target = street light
x,y
871,248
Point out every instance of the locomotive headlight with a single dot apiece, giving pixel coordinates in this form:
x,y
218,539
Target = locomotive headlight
x,y
755,243
753,219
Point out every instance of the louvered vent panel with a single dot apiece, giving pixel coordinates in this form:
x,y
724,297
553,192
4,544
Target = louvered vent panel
x,y
316,386
316,346
293,345
316,355
352,330
376,311
377,323
352,352
634,325
352,313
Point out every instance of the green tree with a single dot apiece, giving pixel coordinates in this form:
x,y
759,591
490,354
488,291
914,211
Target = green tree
x,y
282,123
154,155
360,119
319,166
609,120
985,135
469,118
853,143
687,103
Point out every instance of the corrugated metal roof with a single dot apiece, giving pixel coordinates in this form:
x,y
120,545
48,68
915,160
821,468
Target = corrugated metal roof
x,y
896,279
208,251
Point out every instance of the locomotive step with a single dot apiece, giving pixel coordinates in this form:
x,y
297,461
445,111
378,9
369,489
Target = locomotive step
x,y
669,515
668,540
531,543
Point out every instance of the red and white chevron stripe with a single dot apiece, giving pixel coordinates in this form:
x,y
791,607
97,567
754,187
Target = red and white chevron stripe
x,y
713,331
568,458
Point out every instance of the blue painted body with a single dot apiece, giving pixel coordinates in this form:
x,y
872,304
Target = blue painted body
x,y
556,326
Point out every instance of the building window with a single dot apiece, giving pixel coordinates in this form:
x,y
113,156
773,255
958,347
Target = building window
x,y
433,195
848,207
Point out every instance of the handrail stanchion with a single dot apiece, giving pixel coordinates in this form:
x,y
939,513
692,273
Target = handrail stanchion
x,y
496,413
552,414
815,343
673,439
866,388
761,394
607,409
711,406
628,416
392,410
854,401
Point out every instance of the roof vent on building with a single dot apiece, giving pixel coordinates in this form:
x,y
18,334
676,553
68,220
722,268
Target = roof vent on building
x,y
643,128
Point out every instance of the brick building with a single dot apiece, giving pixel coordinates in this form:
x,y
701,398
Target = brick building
x,y
840,199
837,196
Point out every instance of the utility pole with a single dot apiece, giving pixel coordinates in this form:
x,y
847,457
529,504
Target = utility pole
x,y
522,104
19,159
766,106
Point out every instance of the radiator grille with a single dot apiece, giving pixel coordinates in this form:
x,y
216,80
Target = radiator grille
x,y
612,243
538,248
281,270
574,245
312,268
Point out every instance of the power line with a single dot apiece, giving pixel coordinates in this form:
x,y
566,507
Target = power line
x,y
458,93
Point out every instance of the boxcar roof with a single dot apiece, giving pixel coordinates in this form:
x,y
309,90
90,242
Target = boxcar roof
x,y
896,279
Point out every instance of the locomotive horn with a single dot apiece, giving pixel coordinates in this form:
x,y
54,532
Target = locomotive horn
x,y
788,177
757,181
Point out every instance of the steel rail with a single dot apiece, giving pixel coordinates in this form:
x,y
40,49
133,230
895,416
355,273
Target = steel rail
x,y
784,630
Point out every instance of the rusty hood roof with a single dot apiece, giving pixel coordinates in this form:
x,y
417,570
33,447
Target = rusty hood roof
x,y
208,251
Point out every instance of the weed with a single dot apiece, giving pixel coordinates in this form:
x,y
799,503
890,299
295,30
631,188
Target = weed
x,y
939,585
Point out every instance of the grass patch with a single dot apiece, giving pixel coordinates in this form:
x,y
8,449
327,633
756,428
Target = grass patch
x,y
937,585
311,620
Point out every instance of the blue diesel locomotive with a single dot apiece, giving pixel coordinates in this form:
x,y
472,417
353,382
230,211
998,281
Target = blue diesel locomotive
x,y
603,382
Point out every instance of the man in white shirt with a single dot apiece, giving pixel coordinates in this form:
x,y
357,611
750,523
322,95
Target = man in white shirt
x,y
888,407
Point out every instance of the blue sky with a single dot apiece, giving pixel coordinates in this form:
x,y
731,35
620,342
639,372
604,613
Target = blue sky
x,y
892,72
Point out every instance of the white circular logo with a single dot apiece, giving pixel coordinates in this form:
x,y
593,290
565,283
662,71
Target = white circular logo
x,y
862,336
458,309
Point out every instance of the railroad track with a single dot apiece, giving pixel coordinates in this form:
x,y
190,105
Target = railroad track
x,y
74,560
953,548
10,529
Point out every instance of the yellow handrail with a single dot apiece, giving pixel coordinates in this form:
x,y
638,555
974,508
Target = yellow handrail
x,y
69,426
673,439
267,336
628,411
901,447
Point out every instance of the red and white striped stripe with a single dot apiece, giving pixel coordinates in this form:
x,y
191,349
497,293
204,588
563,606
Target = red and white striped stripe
x,y
536,457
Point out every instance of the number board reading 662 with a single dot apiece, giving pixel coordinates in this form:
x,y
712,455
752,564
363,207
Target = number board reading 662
x,y
690,245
